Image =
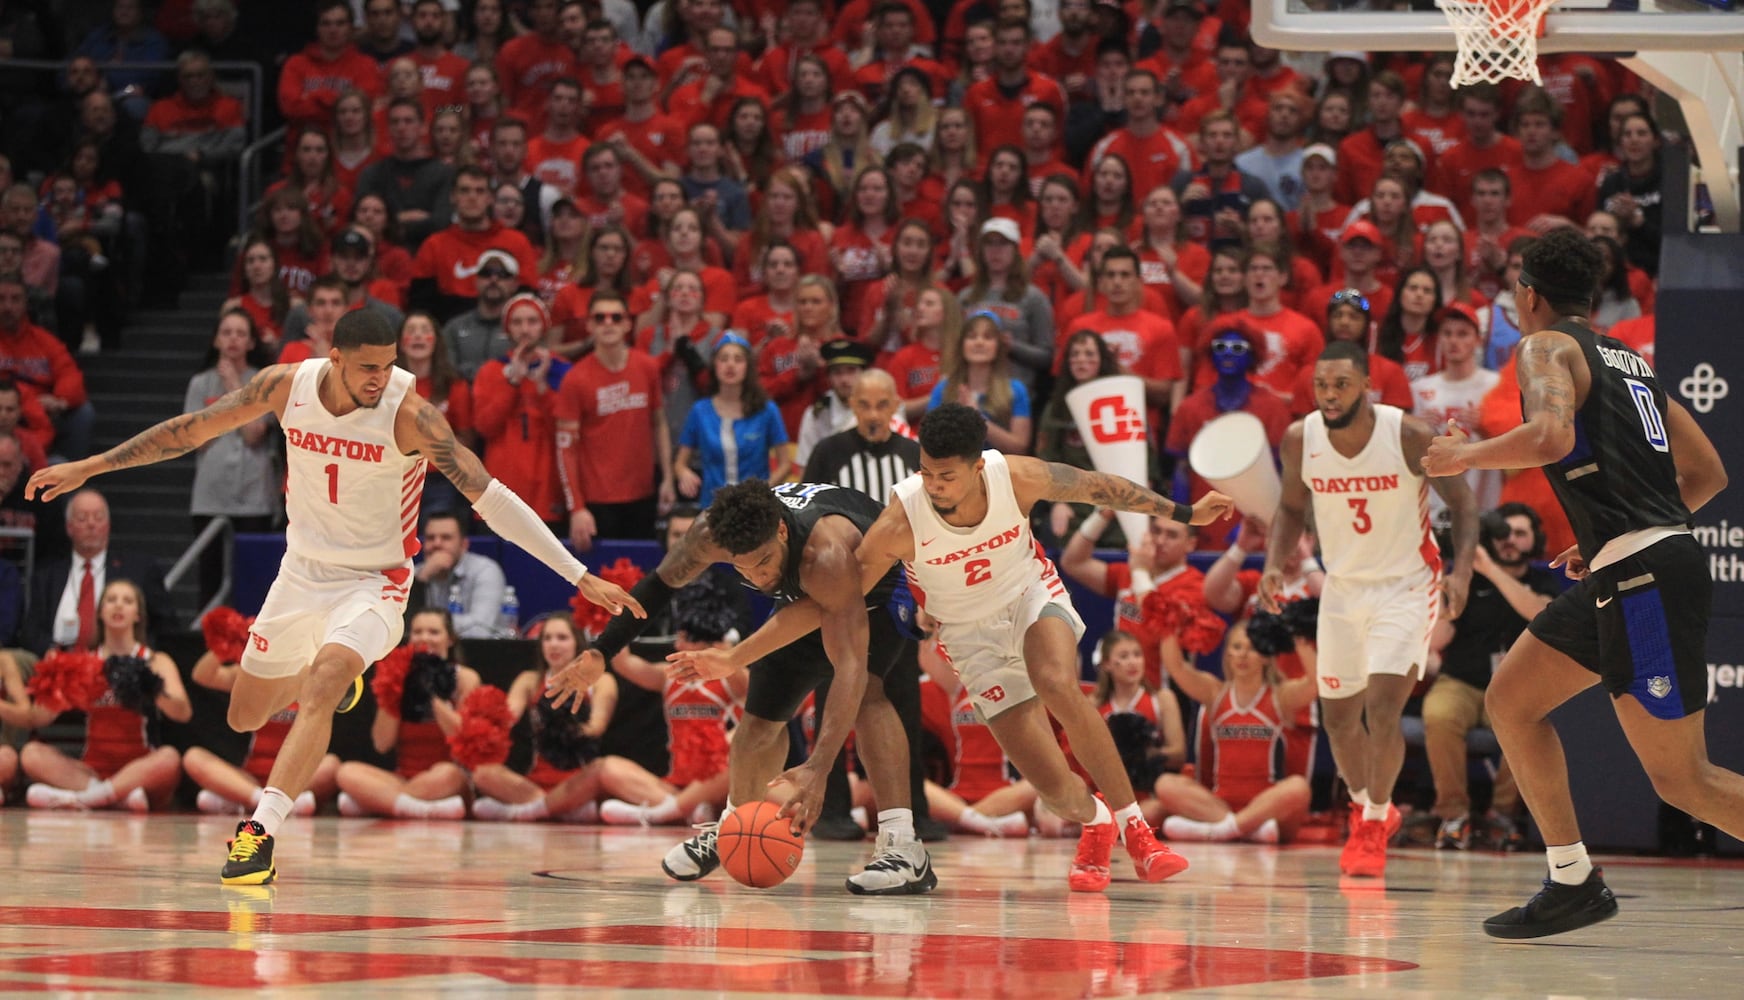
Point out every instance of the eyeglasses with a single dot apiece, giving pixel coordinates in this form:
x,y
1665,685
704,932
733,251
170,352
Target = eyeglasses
x,y
495,274
1351,297
611,317
1233,348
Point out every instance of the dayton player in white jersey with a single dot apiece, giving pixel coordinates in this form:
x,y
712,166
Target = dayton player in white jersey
x,y
359,439
1361,462
961,528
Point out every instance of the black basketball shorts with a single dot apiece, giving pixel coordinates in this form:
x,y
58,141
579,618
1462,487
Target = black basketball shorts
x,y
1641,624
780,681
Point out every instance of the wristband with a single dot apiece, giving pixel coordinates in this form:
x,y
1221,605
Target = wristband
x,y
654,595
1142,582
1235,555
1182,514
1092,527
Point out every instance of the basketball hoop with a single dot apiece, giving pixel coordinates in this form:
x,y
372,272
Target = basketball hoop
x,y
1498,39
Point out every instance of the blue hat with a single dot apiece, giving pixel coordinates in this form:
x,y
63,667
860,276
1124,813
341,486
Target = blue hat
x,y
731,337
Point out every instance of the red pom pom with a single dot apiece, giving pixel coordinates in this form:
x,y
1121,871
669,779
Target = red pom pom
x,y
1203,631
65,680
1199,628
389,683
590,617
226,633
483,736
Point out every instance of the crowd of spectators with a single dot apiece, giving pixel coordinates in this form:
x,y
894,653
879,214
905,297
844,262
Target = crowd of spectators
x,y
638,255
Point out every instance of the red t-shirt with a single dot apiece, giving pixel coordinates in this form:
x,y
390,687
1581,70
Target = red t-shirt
x,y
659,138
1558,189
858,266
1360,156
1153,160
450,256
718,293
457,408
611,458
1443,131
687,106
915,369
444,79
1199,409
1293,342
758,321
520,436
1143,341
998,114
1387,384
633,208
557,163
527,66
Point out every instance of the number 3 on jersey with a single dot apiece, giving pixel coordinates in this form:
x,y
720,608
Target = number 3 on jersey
x,y
977,571
1360,522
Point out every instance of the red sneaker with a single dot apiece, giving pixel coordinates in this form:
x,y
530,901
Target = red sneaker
x,y
1151,860
1365,854
1395,821
1090,866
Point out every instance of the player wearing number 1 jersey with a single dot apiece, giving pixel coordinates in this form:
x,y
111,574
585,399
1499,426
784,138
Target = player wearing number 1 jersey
x,y
1629,466
359,441
1361,463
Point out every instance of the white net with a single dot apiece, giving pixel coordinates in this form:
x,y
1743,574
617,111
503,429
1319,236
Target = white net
x,y
1498,39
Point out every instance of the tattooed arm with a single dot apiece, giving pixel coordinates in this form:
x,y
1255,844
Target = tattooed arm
x,y
1553,382
179,435
1035,480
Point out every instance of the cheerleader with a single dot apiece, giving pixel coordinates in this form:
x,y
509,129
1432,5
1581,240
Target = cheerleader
x,y
119,767
14,721
549,790
425,783
228,789
1239,794
983,797
1122,691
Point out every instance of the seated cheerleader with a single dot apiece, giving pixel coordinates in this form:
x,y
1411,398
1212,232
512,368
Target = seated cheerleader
x,y
1122,691
697,715
425,782
564,780
14,723
1238,794
983,796
228,789
118,767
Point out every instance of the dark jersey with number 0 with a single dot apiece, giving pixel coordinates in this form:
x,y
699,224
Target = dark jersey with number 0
x,y
1619,477
807,503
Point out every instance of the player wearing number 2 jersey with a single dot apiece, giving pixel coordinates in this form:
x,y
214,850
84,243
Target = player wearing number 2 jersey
x,y
1628,465
1361,463
961,529
359,440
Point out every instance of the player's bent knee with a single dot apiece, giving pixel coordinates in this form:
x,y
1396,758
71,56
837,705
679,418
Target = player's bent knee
x,y
327,683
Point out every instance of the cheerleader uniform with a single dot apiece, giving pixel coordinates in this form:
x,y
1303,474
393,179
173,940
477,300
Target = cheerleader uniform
x,y
1241,747
544,773
697,713
114,736
264,748
981,765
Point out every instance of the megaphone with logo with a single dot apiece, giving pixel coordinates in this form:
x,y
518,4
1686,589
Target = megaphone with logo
x,y
1234,456
1110,414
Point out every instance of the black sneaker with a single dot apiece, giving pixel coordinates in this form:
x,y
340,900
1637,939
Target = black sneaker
x,y
930,831
1556,909
352,697
838,827
696,857
250,860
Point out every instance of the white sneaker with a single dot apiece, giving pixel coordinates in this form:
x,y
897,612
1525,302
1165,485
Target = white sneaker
x,y
1011,825
452,807
895,869
1265,833
587,812
41,796
349,806
137,801
1182,828
303,804
616,812
486,808
695,857
90,343
213,804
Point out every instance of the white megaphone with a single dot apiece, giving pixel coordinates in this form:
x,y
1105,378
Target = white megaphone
x,y
1110,414
1234,456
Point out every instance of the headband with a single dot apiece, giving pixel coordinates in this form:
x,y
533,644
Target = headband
x,y
1554,293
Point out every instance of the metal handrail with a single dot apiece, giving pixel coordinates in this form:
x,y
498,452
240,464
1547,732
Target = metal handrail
x,y
246,193
256,78
218,526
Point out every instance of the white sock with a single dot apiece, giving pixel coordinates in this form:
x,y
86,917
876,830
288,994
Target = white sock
x,y
974,822
1102,813
899,823
858,815
587,812
1266,833
273,809
452,807
1569,864
664,811
1182,828
486,808
213,804
96,795
1226,828
529,812
302,805
137,801
1128,814
349,806
410,808
45,796
1360,796
727,810
1375,812
1014,824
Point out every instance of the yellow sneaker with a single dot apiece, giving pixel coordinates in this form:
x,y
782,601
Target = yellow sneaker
x,y
350,701
250,859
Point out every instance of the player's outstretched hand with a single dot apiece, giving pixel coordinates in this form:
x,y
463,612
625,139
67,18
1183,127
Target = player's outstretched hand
x,y
1446,454
1211,507
1271,584
57,480
571,684
608,595
1571,562
699,665
807,799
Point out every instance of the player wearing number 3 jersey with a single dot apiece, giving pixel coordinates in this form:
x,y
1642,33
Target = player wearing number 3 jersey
x,y
960,527
1361,463
359,442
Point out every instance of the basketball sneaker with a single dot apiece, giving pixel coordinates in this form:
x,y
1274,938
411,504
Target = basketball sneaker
x,y
904,869
1090,865
352,697
695,857
250,861
1556,909
1455,834
1151,860
1365,854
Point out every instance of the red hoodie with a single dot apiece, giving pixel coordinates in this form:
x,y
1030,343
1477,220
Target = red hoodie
x,y
311,84
37,359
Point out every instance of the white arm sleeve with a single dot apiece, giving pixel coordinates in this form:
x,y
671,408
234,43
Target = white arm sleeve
x,y
510,517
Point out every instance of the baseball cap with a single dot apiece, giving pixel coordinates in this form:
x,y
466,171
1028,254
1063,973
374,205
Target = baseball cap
x,y
566,202
502,259
846,352
352,241
639,60
1001,227
1459,310
1361,57
1323,151
1361,229
1189,6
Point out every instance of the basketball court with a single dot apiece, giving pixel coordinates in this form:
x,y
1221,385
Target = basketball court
x,y
111,904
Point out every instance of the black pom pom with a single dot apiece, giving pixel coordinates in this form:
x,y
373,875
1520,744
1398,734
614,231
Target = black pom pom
x,y
429,677
1136,737
135,684
1303,617
557,736
704,610
1269,634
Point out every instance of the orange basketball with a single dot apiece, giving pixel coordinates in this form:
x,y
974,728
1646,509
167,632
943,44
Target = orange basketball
x,y
757,845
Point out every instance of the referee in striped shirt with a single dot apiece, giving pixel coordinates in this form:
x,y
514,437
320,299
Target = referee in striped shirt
x,y
871,458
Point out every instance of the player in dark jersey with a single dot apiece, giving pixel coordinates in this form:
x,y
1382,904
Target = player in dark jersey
x,y
1628,465
792,541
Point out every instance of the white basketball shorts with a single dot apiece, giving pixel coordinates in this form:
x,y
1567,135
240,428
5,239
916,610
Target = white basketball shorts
x,y
312,604
988,653
1374,627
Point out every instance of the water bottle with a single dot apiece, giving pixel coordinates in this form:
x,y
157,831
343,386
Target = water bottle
x,y
509,619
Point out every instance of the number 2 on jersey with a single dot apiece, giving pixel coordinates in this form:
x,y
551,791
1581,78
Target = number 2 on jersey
x,y
1361,523
977,571
332,471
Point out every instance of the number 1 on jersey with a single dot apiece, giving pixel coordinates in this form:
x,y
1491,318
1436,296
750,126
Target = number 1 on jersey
x,y
332,471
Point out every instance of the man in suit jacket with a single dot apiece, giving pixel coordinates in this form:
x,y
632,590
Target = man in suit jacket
x,y
54,617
